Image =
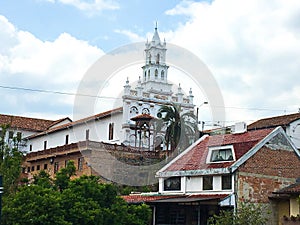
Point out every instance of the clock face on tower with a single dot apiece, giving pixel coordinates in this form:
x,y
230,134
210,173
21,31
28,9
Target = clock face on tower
x,y
145,111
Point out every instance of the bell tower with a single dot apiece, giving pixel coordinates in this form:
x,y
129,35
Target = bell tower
x,y
155,70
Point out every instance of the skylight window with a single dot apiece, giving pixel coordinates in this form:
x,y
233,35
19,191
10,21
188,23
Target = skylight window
x,y
221,154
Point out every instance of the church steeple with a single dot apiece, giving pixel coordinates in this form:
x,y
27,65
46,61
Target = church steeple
x,y
155,38
155,68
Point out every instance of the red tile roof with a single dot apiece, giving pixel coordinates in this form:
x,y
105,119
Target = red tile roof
x,y
77,122
195,158
140,198
25,123
282,121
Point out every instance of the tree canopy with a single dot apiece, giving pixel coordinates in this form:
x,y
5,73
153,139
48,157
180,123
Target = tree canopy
x,y
71,201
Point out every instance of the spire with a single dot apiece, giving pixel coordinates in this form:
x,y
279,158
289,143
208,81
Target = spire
x,y
155,38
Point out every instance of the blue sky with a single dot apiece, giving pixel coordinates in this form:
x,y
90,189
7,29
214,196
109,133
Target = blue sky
x,y
48,19
252,47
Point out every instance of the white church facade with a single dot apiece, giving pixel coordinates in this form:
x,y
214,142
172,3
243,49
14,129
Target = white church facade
x,y
140,103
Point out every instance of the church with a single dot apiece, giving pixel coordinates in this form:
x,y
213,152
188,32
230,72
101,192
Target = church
x,y
132,123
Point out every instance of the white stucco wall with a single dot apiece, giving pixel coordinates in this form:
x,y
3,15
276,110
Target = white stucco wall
x,y
98,131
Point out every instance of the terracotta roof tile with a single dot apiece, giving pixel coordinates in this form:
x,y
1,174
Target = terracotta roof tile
x,y
282,121
195,158
25,123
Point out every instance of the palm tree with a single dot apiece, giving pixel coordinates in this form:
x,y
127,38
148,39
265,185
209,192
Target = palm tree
x,y
180,128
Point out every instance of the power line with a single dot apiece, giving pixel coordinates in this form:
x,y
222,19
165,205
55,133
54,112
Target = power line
x,y
115,98
55,92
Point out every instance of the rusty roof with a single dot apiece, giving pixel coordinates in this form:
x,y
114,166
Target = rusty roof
x,y
25,123
275,121
195,158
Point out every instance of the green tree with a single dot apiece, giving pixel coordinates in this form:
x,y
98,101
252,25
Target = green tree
x,y
32,205
10,159
246,214
82,201
63,176
181,129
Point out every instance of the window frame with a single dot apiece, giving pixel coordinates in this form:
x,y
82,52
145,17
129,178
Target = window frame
x,y
228,182
220,148
211,183
176,186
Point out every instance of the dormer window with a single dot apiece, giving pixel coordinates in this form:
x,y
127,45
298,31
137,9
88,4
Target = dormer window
x,y
172,184
221,154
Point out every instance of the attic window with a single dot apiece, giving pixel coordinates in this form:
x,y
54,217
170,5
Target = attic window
x,y
221,154
172,184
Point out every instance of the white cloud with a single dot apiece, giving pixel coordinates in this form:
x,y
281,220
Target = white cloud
x,y
253,49
26,61
90,7
133,37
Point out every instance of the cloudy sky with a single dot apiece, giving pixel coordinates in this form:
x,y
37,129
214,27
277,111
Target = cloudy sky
x,y
252,48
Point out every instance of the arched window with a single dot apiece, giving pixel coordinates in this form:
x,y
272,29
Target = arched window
x,y
111,131
145,76
156,74
149,59
148,74
157,58
162,75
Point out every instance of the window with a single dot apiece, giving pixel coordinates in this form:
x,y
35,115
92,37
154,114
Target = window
x,y
32,168
226,182
156,74
38,167
221,154
87,134
172,184
56,167
67,139
45,145
157,59
148,74
30,148
207,182
10,134
80,164
28,169
111,131
145,76
162,75
45,166
149,58
19,136
23,170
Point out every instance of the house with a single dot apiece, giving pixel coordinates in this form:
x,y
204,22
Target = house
x,y
116,126
23,127
95,158
219,172
290,123
287,200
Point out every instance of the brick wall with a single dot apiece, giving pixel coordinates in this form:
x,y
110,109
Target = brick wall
x,y
265,172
